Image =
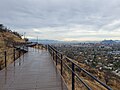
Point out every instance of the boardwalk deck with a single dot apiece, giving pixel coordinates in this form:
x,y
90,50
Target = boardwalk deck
x,y
33,71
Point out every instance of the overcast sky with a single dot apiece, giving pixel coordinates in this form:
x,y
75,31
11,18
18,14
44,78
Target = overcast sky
x,y
63,19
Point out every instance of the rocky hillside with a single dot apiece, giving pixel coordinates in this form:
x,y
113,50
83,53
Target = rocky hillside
x,y
7,39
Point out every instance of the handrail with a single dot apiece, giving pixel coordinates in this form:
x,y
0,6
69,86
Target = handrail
x,y
78,77
21,47
55,54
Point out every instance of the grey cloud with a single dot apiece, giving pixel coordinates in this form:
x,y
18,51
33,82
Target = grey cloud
x,y
59,14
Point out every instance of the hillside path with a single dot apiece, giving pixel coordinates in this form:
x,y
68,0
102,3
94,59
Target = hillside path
x,y
34,70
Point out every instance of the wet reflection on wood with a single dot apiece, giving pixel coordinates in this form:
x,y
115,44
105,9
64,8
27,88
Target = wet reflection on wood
x,y
33,71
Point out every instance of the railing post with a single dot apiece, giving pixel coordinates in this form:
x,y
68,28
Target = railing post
x,y
19,53
5,55
19,57
56,57
14,56
48,47
23,47
0,66
73,77
61,64
53,54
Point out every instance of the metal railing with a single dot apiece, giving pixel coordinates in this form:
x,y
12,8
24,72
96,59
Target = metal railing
x,y
17,50
21,46
58,57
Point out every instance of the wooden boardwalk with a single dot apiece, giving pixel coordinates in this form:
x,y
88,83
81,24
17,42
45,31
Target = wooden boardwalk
x,y
33,71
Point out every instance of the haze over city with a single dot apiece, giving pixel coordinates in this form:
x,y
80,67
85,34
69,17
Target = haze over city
x,y
67,20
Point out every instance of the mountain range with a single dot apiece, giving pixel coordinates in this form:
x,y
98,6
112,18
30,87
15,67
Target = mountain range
x,y
46,41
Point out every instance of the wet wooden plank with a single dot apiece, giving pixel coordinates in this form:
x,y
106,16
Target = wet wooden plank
x,y
33,71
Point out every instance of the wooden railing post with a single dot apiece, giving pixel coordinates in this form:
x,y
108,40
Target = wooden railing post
x,y
5,55
73,77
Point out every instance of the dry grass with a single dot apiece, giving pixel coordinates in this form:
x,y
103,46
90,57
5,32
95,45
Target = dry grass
x,y
9,57
5,45
114,82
